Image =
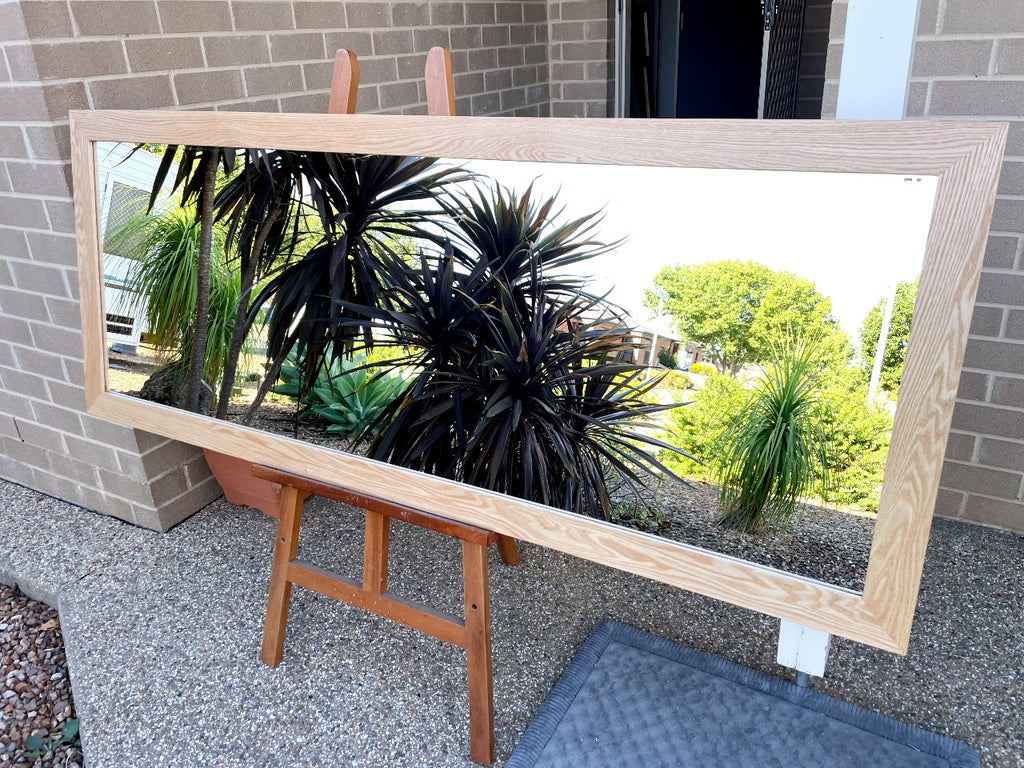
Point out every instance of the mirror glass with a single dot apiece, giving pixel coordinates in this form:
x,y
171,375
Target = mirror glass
x,y
706,278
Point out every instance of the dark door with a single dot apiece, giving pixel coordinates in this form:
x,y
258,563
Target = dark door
x,y
695,58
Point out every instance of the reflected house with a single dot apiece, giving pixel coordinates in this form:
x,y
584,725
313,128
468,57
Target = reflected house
x,y
644,337
125,179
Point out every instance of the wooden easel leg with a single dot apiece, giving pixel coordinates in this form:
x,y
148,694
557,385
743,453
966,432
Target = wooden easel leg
x,y
285,546
478,652
508,550
375,552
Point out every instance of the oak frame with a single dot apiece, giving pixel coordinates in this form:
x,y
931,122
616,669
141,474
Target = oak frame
x,y
965,156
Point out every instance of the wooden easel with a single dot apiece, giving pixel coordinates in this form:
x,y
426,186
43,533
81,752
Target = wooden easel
x,y
473,630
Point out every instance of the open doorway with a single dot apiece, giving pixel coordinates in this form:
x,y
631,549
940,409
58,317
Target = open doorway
x,y
722,59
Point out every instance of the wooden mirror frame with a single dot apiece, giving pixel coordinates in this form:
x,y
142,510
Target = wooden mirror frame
x,y
965,156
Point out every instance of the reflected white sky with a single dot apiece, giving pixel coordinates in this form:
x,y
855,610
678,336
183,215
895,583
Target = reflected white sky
x,y
853,235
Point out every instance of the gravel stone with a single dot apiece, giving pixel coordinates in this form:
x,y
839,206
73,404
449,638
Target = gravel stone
x,y
163,634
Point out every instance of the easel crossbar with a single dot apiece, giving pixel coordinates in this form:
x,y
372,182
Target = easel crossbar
x,y
444,626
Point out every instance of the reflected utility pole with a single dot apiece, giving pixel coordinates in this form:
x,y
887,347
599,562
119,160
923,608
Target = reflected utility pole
x,y
883,337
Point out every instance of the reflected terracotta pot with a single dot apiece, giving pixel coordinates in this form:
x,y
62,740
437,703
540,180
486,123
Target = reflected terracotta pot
x,y
240,487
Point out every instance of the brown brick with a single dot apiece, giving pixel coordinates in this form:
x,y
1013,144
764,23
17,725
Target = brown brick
x,y
115,17
425,39
535,12
1007,215
236,50
1010,57
411,14
1001,288
511,57
960,446
383,70
927,17
65,313
22,103
568,109
536,54
12,142
319,15
562,71
934,58
17,331
977,98
1008,515
1001,252
480,13
472,82
540,33
597,30
1000,356
262,15
506,12
973,386
1015,324
318,75
513,99
586,9
1006,454
976,479
949,503
59,340
972,16
494,37
1015,139
989,420
1011,179
397,95
497,80
210,86
306,102
484,58
392,42
24,304
368,100
446,14
22,212
1008,391
55,248
521,34
168,486
368,15
359,42
38,178
302,46
538,94
262,81
466,37
76,59
165,53
149,92
41,436
203,16
486,104
986,321
409,67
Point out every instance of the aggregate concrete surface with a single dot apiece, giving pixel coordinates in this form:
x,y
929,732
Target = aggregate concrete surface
x,y
163,634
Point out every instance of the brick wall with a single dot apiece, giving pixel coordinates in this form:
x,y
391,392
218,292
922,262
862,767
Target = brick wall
x,y
273,55
581,54
969,64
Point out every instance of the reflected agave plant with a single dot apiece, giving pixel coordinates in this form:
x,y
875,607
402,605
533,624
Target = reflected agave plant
x,y
523,381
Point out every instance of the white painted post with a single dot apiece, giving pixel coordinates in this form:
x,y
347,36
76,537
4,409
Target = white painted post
x,y
878,51
802,648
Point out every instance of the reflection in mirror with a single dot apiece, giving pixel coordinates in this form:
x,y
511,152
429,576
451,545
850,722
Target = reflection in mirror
x,y
390,311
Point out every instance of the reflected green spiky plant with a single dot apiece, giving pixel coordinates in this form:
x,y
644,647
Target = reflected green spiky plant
x,y
520,380
164,249
775,451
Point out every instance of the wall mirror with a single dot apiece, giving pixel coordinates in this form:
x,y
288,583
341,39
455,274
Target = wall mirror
x,y
852,207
